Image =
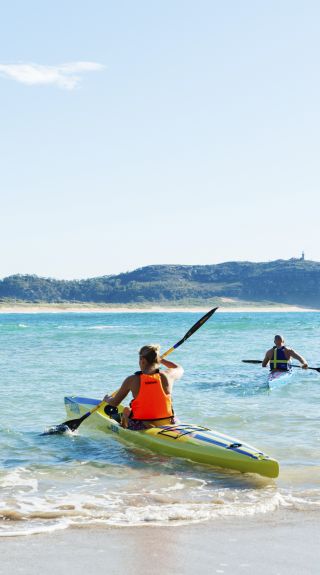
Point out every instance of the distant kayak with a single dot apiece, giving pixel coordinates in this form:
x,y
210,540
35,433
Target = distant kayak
x,y
278,378
187,441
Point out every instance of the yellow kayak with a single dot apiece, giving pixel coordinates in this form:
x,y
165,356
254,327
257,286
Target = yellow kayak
x,y
188,441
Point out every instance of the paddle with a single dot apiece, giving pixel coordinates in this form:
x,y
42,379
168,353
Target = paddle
x,y
291,365
73,424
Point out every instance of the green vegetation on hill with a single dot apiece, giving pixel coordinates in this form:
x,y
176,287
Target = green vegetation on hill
x,y
293,282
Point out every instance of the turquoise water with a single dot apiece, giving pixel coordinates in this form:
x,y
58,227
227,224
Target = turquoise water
x,y
88,479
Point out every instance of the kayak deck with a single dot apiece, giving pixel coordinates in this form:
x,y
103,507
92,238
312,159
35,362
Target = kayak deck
x,y
188,441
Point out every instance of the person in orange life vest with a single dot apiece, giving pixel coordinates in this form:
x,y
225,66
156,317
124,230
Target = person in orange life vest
x,y
151,389
279,356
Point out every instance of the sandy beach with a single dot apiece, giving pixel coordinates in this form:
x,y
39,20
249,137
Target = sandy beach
x,y
76,308
266,546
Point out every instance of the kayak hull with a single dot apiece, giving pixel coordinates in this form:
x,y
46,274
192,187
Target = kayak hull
x,y
187,441
277,378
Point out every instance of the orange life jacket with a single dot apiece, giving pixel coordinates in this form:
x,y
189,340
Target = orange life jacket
x,y
151,402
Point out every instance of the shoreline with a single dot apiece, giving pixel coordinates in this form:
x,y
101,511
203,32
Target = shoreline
x,y
78,308
266,545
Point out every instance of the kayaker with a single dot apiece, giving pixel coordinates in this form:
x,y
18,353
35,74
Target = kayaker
x,y
151,389
279,356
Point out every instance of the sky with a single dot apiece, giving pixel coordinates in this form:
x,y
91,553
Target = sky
x,y
157,132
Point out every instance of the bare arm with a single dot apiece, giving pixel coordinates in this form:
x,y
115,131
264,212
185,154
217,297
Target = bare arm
x,y
266,359
174,370
295,355
120,394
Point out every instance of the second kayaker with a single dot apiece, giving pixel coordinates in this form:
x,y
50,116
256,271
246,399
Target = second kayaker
x,y
279,356
151,390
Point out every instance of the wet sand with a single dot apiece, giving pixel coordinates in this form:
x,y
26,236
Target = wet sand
x,y
266,546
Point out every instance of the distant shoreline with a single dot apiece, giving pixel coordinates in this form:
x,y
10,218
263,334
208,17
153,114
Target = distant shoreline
x,y
25,308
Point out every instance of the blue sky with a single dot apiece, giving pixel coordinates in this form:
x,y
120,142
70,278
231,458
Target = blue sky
x,y
147,132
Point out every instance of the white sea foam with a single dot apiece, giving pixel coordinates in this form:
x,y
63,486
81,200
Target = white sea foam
x,y
19,478
175,501
81,328
34,529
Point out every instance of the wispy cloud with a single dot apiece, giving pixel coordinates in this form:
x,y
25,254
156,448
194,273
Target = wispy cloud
x,y
65,76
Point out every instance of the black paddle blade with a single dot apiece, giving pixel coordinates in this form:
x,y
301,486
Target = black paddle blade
x,y
73,424
57,430
196,326
300,367
67,426
251,361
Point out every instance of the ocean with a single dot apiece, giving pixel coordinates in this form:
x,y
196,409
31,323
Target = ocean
x,y
88,479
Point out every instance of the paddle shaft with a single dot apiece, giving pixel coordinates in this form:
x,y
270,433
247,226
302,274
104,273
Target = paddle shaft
x,y
292,365
191,331
76,422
